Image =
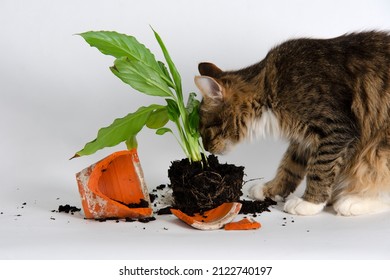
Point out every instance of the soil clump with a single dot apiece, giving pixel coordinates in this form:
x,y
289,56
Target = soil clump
x,y
201,186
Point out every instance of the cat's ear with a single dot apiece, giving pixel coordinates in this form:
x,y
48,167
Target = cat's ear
x,y
209,88
209,69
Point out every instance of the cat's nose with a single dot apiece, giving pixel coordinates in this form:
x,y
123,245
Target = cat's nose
x,y
213,148
206,146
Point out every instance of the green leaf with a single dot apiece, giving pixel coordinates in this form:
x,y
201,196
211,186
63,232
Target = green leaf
x,y
193,120
166,75
120,45
193,114
194,124
192,103
163,130
140,77
158,118
172,68
173,110
136,65
122,129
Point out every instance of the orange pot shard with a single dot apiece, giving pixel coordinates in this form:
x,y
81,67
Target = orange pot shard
x,y
243,224
213,219
110,185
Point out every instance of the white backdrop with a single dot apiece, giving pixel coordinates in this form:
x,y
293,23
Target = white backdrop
x,y
56,91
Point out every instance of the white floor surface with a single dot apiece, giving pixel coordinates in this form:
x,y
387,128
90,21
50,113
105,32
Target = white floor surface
x,y
56,92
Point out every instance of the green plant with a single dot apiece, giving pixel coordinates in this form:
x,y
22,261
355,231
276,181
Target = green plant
x,y
136,66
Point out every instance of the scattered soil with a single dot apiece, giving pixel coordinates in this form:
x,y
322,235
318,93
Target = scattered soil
x,y
147,220
285,221
128,220
164,211
152,197
68,209
160,187
142,204
104,219
256,207
72,209
161,199
201,186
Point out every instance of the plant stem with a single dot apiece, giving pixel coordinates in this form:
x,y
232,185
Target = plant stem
x,y
191,143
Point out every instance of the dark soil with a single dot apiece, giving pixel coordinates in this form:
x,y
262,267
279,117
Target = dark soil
x,y
128,220
198,187
142,204
152,197
164,211
146,220
160,187
68,209
256,207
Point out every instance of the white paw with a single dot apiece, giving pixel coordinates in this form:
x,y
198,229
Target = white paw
x,y
355,205
298,206
256,192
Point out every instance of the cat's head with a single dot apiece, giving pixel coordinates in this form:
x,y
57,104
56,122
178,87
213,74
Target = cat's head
x,y
222,113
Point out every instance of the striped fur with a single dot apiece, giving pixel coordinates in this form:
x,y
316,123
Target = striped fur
x,y
330,99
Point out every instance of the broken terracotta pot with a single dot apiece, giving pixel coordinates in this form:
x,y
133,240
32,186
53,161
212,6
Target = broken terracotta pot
x,y
244,224
212,219
115,188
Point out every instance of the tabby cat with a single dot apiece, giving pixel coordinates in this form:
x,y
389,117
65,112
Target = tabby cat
x,y
330,98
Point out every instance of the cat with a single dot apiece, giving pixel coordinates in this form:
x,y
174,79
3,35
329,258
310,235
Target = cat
x,y
330,98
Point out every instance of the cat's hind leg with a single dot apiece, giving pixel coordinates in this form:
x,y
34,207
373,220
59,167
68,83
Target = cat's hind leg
x,y
367,187
290,173
323,169
353,205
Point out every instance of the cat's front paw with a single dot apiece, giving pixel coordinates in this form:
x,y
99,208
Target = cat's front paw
x,y
298,206
257,192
